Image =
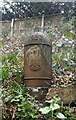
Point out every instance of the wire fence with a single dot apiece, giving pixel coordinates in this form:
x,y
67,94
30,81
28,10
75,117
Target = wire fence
x,y
35,15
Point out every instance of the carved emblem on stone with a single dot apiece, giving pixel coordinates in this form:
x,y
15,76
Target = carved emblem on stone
x,y
33,58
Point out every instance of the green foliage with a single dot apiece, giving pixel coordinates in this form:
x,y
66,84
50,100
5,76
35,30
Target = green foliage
x,y
69,68
61,116
19,102
12,66
70,35
52,111
55,57
64,59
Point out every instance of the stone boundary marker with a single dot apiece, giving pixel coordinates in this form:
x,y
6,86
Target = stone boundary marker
x,y
38,63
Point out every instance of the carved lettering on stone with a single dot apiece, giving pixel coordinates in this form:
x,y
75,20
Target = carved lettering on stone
x,y
33,58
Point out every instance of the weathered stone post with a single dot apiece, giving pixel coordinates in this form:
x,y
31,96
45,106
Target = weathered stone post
x,y
37,63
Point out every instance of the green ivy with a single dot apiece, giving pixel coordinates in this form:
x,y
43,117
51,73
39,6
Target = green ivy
x,y
19,103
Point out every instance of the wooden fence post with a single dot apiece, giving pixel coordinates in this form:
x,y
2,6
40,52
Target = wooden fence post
x,y
12,26
42,23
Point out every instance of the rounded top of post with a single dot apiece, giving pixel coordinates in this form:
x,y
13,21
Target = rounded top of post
x,y
37,38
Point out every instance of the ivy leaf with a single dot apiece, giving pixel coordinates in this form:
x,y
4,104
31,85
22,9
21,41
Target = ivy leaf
x,y
19,109
57,70
15,100
7,99
19,96
45,110
60,116
54,107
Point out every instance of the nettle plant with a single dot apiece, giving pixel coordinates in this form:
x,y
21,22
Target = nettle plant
x,y
53,110
12,66
18,104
